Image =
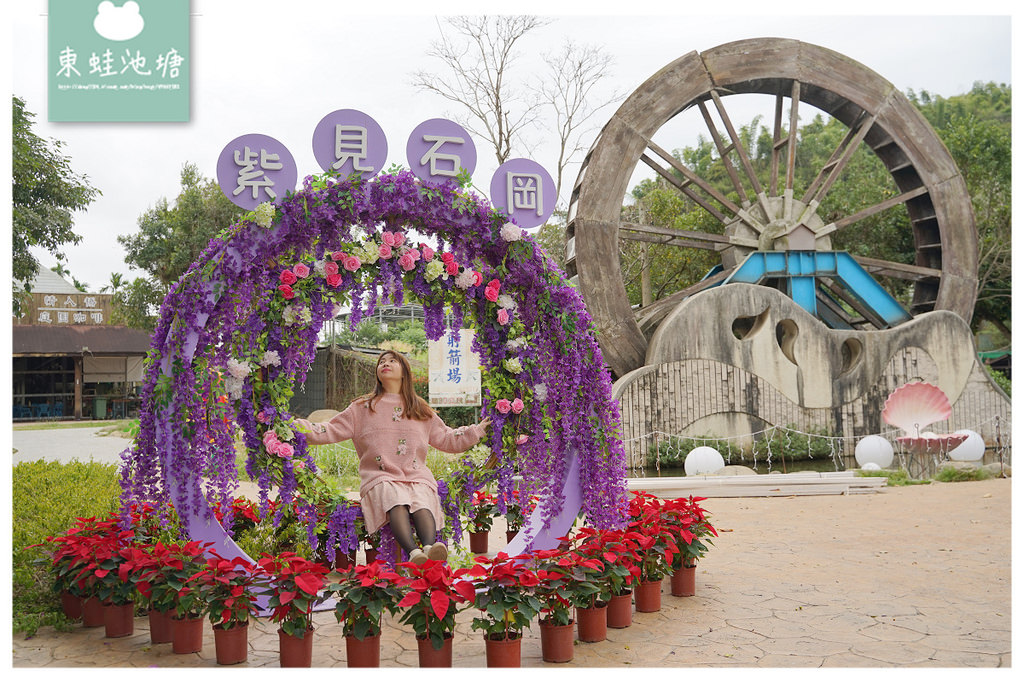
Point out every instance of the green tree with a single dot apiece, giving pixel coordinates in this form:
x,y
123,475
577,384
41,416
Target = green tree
x,y
45,192
136,304
171,237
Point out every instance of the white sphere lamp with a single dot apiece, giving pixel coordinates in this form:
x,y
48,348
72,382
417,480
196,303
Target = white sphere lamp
x,y
703,460
970,450
873,449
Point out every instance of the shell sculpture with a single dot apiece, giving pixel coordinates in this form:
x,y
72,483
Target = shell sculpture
x,y
914,406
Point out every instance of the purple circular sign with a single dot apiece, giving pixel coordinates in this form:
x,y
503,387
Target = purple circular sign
x,y
525,190
255,168
438,149
348,141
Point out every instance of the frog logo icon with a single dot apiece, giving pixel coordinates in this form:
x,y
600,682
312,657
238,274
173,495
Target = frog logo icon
x,y
118,23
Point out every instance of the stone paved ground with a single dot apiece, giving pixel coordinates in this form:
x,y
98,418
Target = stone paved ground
x,y
911,577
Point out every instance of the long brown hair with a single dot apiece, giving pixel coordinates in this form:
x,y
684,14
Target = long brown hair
x,y
414,407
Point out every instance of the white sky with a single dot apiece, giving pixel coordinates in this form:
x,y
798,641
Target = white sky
x,y
261,68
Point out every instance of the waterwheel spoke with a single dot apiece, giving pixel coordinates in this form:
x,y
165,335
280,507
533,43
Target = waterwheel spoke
x,y
777,143
723,154
900,271
748,167
872,210
831,171
690,178
680,238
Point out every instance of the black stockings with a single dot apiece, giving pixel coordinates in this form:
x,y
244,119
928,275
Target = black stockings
x,y
402,527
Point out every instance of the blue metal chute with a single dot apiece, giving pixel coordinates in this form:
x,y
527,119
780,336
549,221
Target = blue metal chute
x,y
801,270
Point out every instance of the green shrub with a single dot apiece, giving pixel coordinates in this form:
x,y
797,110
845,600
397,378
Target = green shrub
x,y
999,378
894,477
794,444
46,499
672,451
950,473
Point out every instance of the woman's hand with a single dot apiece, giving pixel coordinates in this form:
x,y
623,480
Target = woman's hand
x,y
485,423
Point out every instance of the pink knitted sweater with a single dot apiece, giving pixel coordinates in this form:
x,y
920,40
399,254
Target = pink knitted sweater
x,y
391,446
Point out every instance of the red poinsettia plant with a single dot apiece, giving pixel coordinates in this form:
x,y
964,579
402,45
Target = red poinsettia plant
x,y
688,522
229,588
172,583
102,552
293,585
606,563
364,593
483,508
504,595
555,589
72,554
655,540
432,594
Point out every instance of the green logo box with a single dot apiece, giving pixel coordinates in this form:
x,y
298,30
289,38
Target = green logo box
x,y
118,61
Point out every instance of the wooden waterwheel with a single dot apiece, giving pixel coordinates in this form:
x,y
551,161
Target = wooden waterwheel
x,y
766,213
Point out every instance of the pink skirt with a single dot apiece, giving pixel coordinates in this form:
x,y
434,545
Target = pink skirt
x,y
387,494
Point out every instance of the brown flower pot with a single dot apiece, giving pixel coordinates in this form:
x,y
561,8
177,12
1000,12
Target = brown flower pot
x,y
592,623
503,653
431,658
684,581
509,535
620,610
363,653
119,620
343,561
478,542
295,651
186,635
371,555
161,627
556,642
71,605
231,644
648,596
92,612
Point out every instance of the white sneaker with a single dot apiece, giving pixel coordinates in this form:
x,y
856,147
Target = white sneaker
x,y
437,552
417,556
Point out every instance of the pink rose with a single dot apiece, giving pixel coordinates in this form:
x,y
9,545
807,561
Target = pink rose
x,y
406,261
399,239
285,450
286,291
517,405
334,279
495,284
339,255
491,294
521,439
452,268
384,251
351,263
330,268
503,316
428,253
301,270
389,239
269,435
288,277
448,257
261,418
504,405
415,255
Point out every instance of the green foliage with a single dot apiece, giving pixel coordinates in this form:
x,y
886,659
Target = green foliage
x,y
894,477
672,451
170,238
46,498
45,192
1001,380
137,304
951,474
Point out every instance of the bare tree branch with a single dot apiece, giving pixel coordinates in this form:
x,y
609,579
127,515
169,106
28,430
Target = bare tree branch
x,y
476,75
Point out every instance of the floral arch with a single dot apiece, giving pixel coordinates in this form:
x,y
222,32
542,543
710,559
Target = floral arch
x,y
239,329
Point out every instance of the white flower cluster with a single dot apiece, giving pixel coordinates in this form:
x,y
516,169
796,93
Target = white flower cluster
x,y
270,358
238,369
434,270
507,302
516,344
510,232
264,214
465,280
367,252
513,365
540,392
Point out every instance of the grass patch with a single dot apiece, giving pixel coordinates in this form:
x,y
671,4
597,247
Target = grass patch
x,y
950,474
46,499
894,477
64,424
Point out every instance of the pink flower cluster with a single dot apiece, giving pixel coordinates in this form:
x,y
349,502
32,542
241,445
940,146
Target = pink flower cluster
x,y
275,446
504,405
